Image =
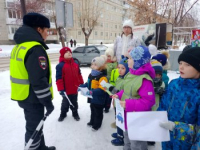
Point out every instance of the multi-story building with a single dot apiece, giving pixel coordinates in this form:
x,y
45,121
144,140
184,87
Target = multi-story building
x,y
109,25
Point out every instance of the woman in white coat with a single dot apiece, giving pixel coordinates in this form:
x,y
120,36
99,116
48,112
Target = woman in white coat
x,y
126,41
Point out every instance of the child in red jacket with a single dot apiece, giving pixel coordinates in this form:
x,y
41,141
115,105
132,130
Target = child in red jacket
x,y
68,78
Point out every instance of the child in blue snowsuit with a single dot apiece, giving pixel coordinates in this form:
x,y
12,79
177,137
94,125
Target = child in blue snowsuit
x,y
182,103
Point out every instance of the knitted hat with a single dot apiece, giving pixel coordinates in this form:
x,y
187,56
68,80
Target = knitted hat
x,y
153,50
64,50
36,20
128,23
140,55
124,62
192,57
110,52
157,66
161,58
187,47
99,61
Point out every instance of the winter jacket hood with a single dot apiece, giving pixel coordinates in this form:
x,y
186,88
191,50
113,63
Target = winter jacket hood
x,y
28,34
147,68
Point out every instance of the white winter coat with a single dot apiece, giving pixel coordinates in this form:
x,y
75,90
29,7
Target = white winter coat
x,y
123,44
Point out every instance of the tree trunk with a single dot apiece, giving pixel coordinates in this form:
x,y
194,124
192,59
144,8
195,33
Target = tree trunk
x,y
86,40
23,7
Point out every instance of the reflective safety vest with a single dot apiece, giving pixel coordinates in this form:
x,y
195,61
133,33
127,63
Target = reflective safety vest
x,y
18,74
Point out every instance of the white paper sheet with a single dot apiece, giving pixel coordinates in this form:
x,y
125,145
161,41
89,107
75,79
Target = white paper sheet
x,y
84,91
106,86
144,126
119,115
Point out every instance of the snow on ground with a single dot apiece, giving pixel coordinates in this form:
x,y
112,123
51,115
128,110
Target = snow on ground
x,y
69,134
5,50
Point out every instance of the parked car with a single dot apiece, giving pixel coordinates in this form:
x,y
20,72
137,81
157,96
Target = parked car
x,y
85,54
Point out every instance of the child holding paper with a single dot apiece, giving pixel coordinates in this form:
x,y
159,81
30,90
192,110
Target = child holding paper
x,y
123,70
138,91
97,92
111,63
68,78
182,103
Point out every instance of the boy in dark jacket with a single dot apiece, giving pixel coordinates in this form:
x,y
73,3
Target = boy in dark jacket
x,y
96,90
68,78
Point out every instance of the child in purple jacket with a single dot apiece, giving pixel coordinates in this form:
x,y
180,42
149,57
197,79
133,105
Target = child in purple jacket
x,y
138,91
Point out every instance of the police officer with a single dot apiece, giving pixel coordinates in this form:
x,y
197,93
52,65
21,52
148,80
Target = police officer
x,y
30,74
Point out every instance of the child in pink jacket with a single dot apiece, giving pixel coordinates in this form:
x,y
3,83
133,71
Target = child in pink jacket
x,y
138,92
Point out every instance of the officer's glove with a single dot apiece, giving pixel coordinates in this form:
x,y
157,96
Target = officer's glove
x,y
168,125
49,107
62,93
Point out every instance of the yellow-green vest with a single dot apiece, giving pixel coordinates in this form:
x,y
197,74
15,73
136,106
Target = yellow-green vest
x,y
18,74
114,76
132,84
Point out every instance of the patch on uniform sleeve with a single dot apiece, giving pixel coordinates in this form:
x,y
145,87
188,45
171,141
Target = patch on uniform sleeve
x,y
150,93
42,62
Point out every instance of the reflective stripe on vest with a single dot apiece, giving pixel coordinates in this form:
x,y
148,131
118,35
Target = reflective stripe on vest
x,y
18,74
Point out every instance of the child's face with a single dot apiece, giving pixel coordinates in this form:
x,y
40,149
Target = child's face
x,y
121,69
108,57
94,66
68,55
130,62
158,76
187,71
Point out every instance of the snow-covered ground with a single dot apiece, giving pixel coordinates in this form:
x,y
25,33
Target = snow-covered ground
x,y
66,135
5,50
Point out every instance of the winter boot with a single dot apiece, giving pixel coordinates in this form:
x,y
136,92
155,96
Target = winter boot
x,y
106,110
113,125
52,148
89,124
75,115
118,142
114,135
62,117
77,118
95,129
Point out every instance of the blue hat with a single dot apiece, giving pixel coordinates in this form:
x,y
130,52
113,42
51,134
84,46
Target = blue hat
x,y
141,56
124,61
161,58
157,66
36,20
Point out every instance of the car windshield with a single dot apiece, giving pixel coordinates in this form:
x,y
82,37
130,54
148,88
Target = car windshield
x,y
101,47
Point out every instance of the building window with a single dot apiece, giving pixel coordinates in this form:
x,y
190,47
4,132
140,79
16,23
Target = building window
x,y
79,32
9,13
110,34
107,7
52,32
12,29
12,13
107,34
115,26
102,25
101,33
95,33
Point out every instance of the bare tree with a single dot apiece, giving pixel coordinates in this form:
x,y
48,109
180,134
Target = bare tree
x,y
39,7
88,16
149,11
171,11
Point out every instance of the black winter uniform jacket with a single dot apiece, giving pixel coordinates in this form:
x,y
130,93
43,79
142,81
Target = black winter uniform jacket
x,y
37,65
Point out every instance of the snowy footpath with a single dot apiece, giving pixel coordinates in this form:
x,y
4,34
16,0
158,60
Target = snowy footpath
x,y
66,135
